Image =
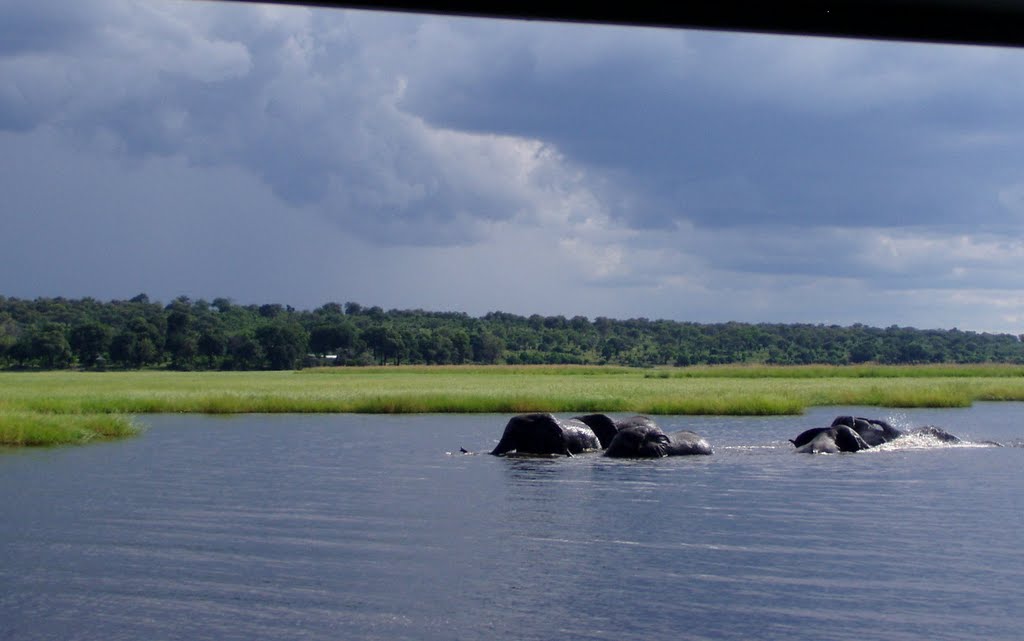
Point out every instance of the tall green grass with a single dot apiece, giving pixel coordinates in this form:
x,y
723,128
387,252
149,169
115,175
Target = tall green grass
x,y
35,401
479,370
991,370
34,429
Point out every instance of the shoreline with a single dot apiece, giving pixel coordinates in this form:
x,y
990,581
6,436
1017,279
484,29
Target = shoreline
x,y
66,407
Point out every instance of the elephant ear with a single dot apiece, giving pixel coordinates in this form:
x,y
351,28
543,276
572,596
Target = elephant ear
x,y
603,427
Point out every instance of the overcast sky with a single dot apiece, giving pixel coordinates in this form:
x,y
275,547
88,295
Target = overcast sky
x,y
303,156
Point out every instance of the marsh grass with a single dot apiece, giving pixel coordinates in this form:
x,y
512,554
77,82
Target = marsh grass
x,y
483,370
752,405
36,429
991,370
36,402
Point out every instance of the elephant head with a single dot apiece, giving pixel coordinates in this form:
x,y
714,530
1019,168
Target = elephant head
x,y
639,441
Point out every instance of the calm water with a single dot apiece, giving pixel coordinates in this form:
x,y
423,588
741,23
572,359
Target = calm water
x,y
364,527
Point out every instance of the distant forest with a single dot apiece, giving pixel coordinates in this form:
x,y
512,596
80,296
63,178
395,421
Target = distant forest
x,y
58,333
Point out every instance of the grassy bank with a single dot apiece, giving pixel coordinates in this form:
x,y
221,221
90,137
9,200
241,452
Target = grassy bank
x,y
847,371
35,402
18,428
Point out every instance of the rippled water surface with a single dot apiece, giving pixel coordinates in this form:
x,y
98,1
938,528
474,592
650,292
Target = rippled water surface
x,y
367,527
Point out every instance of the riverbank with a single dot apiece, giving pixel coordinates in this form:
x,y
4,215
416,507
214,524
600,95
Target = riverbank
x,y
90,398
36,429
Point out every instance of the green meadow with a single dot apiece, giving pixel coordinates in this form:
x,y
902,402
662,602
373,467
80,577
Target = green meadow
x,y
48,408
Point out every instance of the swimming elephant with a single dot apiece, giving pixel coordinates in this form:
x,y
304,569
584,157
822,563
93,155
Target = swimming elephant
x,y
942,435
829,440
603,426
853,433
873,431
545,434
640,437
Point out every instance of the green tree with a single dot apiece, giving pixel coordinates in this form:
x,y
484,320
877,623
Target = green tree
x,y
385,342
271,310
223,305
283,344
181,342
865,350
243,352
461,345
487,348
8,333
332,337
47,345
211,344
89,341
138,344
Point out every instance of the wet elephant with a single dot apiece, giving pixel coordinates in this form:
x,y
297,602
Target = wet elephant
x,y
854,433
603,426
544,434
873,431
941,434
640,437
829,440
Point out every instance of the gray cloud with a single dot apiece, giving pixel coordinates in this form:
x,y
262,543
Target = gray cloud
x,y
300,100
721,130
280,153
669,126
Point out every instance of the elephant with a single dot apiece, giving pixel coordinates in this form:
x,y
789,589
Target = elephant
x,y
942,435
829,440
544,434
853,433
873,431
640,437
603,426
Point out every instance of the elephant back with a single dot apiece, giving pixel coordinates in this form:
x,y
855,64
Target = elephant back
x,y
532,434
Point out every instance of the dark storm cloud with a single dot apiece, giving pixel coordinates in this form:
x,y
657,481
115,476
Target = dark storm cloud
x,y
705,134
669,126
282,153
307,102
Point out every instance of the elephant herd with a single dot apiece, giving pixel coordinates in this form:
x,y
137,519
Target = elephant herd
x,y
541,434
636,437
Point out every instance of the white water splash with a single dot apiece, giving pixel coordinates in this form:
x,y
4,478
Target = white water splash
x,y
926,442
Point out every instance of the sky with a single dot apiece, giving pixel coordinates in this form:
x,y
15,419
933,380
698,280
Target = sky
x,y
273,154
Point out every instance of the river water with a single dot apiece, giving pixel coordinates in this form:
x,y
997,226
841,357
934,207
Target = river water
x,y
375,527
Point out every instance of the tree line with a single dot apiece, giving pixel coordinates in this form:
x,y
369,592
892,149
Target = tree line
x,y
56,333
